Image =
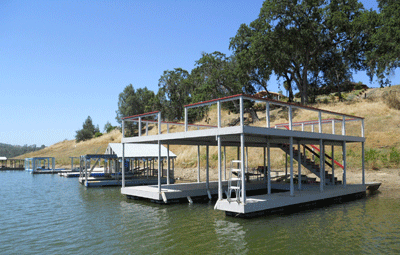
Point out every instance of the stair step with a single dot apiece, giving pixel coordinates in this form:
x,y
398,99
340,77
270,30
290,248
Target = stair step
x,y
235,179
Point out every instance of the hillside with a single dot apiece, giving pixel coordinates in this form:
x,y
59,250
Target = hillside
x,y
382,129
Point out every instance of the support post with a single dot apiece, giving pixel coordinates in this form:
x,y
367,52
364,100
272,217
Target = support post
x,y
269,166
159,167
224,163
333,126
198,163
219,169
363,162
243,200
123,165
321,165
207,167
241,112
344,162
291,168
265,165
333,165
147,128
299,164
168,164
344,126
290,118
219,113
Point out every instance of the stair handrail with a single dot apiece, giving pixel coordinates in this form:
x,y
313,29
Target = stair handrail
x,y
316,154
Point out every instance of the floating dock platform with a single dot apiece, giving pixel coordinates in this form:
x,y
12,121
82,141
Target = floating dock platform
x,y
300,141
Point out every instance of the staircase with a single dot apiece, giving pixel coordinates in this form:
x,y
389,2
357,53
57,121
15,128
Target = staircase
x,y
235,180
309,164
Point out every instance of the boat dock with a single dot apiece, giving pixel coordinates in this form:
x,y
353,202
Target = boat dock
x,y
307,142
11,164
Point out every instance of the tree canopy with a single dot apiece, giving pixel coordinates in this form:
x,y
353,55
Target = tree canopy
x,y
87,132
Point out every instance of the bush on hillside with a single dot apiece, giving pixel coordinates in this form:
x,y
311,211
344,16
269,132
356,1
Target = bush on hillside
x,y
87,132
392,100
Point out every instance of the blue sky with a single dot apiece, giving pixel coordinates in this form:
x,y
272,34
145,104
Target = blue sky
x,y
62,61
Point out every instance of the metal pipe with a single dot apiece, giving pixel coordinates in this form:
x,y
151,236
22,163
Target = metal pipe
x,y
123,165
269,166
243,200
291,167
267,117
299,164
321,165
198,163
159,167
219,169
207,167
168,166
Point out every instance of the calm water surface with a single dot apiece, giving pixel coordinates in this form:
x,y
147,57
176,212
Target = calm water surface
x,y
46,214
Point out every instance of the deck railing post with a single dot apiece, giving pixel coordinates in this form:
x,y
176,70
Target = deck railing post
x,y
147,128
344,125
362,128
241,111
333,165
123,128
207,167
265,165
224,163
333,126
267,117
123,165
319,122
140,126
290,118
186,119
159,122
219,113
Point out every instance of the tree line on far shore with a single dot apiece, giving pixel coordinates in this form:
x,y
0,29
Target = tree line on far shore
x,y
10,151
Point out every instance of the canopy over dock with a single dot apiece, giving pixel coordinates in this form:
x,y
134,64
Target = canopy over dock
x,y
305,141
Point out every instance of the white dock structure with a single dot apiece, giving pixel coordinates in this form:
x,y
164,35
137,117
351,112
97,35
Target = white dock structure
x,y
138,169
41,165
300,140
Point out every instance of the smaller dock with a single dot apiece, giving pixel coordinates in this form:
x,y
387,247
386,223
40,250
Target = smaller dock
x,y
11,164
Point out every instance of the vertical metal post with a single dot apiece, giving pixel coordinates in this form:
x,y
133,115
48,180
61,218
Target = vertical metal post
x,y
86,174
224,163
219,113
319,122
140,126
267,117
362,127
159,167
299,164
344,126
207,167
302,126
243,200
219,169
321,165
198,163
290,118
123,165
241,111
291,167
265,165
147,128
186,119
168,128
269,166
333,165
159,122
344,162
168,165
362,163
333,126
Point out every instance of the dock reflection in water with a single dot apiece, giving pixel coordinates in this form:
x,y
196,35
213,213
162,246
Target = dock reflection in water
x,y
48,214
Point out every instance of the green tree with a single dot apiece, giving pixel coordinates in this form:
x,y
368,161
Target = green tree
x,y
289,37
87,132
131,102
108,127
175,91
384,55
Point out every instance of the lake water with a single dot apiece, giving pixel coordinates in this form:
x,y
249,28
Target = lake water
x,y
48,214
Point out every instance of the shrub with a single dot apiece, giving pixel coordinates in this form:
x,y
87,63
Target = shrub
x,y
392,100
98,134
371,157
358,86
394,156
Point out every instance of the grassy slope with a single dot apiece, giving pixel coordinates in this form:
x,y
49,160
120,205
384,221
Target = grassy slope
x,y
382,129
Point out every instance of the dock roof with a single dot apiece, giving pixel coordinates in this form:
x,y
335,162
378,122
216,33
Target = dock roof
x,y
138,150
